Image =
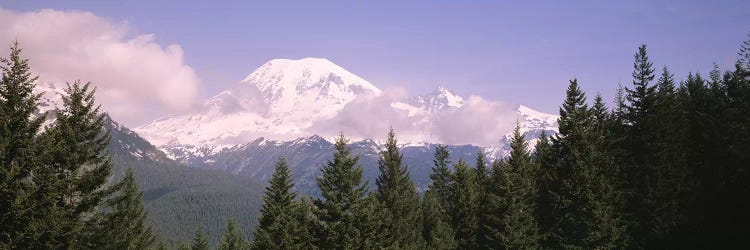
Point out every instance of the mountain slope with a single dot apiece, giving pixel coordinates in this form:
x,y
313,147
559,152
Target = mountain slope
x,y
279,99
180,199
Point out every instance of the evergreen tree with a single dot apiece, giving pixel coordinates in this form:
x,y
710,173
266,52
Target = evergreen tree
x,y
278,226
465,195
232,238
124,225
601,185
481,170
483,184
398,196
69,186
511,223
200,242
569,211
342,200
544,203
18,129
667,199
441,176
436,228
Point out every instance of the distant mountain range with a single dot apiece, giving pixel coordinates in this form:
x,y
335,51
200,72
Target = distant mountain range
x,y
198,169
238,129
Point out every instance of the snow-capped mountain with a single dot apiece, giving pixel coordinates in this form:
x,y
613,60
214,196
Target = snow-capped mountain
x,y
436,101
283,98
279,99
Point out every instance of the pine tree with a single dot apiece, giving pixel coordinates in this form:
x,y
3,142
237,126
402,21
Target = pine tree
x,y
483,184
436,228
18,129
544,203
465,195
278,226
667,199
69,186
481,170
398,196
441,176
511,223
200,242
639,141
600,182
232,238
124,225
342,199
568,211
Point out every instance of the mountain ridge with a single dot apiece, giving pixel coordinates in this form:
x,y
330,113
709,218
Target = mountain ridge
x,y
283,99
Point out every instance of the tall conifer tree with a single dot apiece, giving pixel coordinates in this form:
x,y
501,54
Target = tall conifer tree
x,y
18,130
441,176
232,238
398,196
343,198
124,225
200,242
512,221
69,186
279,226
465,194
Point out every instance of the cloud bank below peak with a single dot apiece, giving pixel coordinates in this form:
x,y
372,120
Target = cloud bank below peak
x,y
136,78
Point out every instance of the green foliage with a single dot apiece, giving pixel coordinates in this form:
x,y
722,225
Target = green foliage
x,y
282,224
18,147
180,199
398,196
342,201
436,229
68,186
123,226
465,194
441,176
511,220
232,238
200,242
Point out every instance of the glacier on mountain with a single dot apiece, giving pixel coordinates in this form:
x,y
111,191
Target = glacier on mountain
x,y
285,99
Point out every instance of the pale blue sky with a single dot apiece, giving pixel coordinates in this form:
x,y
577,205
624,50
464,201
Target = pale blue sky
x,y
518,53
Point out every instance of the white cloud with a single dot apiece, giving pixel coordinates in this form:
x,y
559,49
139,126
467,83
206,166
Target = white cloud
x,y
479,122
136,78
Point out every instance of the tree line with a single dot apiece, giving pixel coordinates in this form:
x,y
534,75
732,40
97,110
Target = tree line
x,y
665,167
55,188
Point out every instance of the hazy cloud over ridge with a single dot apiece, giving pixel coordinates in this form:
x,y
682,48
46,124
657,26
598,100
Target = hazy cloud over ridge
x,y
137,79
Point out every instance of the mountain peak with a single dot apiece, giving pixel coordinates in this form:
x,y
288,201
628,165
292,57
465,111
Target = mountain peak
x,y
440,99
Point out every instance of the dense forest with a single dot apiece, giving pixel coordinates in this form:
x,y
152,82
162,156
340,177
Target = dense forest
x,y
665,167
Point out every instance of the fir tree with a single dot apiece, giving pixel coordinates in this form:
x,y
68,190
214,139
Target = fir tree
x,y
544,203
124,225
465,194
639,139
568,211
18,129
232,238
436,228
511,223
398,195
278,226
483,184
342,199
68,187
200,242
441,176
481,170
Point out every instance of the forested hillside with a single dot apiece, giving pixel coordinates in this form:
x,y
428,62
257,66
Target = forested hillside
x,y
664,166
179,199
